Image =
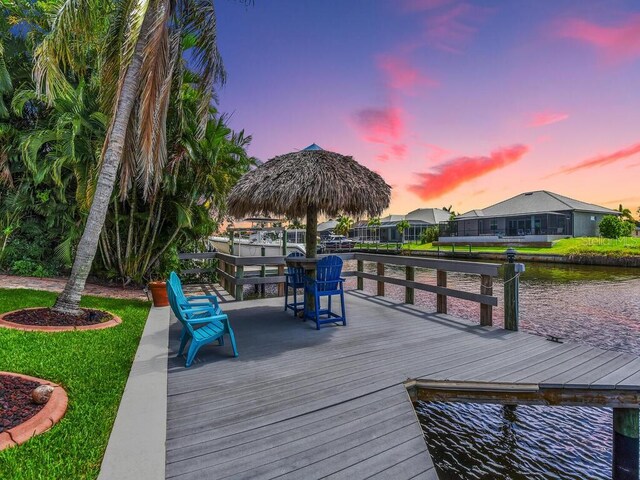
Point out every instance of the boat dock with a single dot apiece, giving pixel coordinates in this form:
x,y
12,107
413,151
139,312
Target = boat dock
x,y
336,403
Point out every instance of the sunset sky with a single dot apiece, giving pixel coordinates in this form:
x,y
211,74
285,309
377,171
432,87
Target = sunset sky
x,y
461,103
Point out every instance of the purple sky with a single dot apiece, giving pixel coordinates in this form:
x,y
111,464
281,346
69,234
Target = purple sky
x,y
460,103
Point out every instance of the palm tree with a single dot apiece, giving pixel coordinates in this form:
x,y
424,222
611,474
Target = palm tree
x,y
295,224
344,225
374,223
402,227
452,212
626,214
142,58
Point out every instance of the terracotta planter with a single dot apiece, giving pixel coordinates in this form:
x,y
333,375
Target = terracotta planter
x,y
159,294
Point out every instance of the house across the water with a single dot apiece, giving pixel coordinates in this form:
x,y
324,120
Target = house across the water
x,y
419,220
539,216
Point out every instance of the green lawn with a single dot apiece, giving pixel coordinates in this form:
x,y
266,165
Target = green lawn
x,y
570,246
92,366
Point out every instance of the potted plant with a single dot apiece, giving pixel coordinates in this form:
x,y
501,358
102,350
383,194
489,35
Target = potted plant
x,y
158,289
158,286
159,273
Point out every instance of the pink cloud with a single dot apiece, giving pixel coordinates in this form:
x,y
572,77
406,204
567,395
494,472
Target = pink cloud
x,y
383,126
380,125
451,28
541,119
602,160
617,43
401,76
399,150
436,153
453,173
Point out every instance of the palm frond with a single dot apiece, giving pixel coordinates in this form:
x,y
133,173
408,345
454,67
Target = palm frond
x,y
122,36
66,46
199,17
155,92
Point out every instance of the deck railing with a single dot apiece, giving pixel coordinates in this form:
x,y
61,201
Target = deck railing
x,y
486,271
235,272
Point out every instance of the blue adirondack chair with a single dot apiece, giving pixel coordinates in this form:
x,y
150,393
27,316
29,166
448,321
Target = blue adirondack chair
x,y
327,283
209,300
295,280
202,324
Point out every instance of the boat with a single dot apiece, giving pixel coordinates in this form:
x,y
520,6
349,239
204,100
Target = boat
x,y
262,243
261,239
338,242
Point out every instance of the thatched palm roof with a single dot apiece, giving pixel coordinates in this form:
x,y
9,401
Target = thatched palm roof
x,y
290,183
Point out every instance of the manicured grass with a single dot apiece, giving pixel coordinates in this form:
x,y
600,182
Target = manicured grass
x,y
569,246
92,366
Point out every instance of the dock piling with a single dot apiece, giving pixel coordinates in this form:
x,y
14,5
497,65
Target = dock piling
x,y
263,268
410,275
486,311
360,280
239,274
511,294
441,301
380,272
625,444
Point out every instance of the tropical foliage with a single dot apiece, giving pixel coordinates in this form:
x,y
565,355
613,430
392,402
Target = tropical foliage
x,y
374,224
452,213
403,226
429,235
179,159
343,226
612,226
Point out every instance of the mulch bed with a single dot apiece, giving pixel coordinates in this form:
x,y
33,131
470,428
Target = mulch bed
x,y
47,317
16,405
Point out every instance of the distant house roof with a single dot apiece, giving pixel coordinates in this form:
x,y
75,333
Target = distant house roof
x,y
429,215
391,219
328,225
540,201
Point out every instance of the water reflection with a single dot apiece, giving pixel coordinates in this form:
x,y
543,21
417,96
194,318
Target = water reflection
x,y
471,441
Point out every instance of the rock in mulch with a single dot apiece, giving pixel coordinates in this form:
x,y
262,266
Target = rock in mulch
x,y
42,394
49,318
16,405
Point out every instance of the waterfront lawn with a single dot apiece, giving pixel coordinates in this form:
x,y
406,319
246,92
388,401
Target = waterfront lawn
x,y
569,246
91,365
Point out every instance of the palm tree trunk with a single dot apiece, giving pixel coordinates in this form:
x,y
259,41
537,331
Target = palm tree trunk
x,y
69,300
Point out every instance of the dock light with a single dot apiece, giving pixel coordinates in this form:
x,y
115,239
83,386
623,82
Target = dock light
x,y
511,254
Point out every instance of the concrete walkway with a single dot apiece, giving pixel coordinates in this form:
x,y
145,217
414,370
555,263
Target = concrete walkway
x,y
57,285
136,448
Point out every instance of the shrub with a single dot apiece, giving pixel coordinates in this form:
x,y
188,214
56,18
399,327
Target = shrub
x,y
627,228
30,268
34,243
429,235
612,227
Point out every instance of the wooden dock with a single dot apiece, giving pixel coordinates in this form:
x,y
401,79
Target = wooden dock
x,y
335,403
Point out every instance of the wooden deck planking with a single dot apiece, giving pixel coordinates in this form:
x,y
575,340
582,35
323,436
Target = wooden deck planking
x,y
301,403
349,372
283,432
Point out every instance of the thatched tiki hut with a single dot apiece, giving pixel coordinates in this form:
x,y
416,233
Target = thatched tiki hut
x,y
307,183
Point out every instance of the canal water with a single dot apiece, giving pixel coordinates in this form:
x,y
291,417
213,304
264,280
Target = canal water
x,y
598,306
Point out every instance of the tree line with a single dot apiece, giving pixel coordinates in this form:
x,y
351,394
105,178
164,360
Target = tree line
x,y
107,119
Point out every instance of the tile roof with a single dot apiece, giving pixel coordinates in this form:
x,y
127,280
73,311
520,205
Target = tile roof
x,y
539,201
